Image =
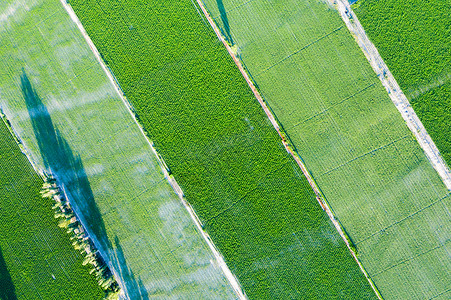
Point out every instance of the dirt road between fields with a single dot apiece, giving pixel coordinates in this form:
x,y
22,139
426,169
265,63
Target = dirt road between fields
x,y
287,146
394,91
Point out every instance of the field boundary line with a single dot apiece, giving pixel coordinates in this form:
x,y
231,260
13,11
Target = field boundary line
x,y
439,294
409,259
298,51
397,96
333,105
403,219
231,278
365,154
289,148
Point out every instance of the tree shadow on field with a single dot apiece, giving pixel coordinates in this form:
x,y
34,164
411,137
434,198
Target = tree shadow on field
x,y
134,288
7,290
225,21
59,159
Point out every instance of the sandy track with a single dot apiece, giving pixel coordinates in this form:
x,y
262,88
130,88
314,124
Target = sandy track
x,y
287,146
394,91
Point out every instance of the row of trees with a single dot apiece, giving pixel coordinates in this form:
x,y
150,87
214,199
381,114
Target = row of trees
x,y
80,239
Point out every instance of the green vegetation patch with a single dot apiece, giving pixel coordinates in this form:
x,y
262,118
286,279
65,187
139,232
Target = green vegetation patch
x,y
434,109
353,140
197,108
37,260
414,39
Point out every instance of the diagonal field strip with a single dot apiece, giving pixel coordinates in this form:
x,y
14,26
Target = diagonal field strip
x,y
377,190
220,260
37,260
106,165
288,147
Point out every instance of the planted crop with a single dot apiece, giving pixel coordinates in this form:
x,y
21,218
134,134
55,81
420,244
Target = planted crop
x,y
223,151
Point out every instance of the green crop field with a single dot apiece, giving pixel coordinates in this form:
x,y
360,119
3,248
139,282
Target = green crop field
x,y
37,260
72,122
418,52
351,137
250,195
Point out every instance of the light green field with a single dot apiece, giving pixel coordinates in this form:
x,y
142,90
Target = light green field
x,y
80,129
365,160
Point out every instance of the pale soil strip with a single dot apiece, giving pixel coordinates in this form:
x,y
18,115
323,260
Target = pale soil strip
x,y
394,91
219,258
287,146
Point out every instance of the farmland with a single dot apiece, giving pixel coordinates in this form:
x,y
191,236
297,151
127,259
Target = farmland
x,y
74,125
352,139
418,52
37,260
215,138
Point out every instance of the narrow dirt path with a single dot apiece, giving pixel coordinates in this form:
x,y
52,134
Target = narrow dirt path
x,y
219,258
287,146
394,91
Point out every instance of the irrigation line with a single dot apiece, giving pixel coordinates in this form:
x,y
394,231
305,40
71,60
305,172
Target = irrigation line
x,y
233,8
364,154
298,51
333,105
257,186
403,219
219,258
199,13
394,91
439,294
290,149
409,259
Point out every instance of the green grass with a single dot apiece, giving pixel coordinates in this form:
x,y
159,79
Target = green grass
x,y
365,160
434,109
197,108
71,121
37,260
413,38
